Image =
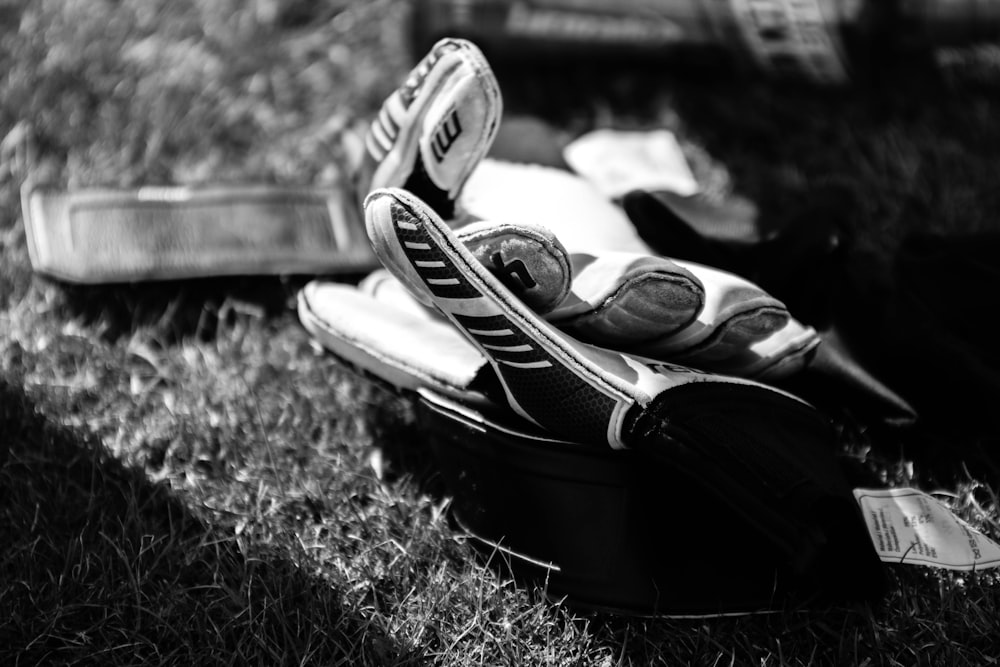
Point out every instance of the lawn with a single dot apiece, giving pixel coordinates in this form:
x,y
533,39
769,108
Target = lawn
x,y
185,478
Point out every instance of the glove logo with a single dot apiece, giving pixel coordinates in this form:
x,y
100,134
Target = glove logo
x,y
513,274
445,136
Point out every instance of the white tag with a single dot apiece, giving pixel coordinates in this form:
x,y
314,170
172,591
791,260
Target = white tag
x,y
909,526
617,162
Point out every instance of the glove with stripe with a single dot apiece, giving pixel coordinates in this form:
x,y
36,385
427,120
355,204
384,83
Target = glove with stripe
x,y
763,454
548,309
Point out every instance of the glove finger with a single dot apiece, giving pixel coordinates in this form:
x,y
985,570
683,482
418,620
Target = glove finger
x,y
742,331
736,313
781,354
435,128
528,259
619,299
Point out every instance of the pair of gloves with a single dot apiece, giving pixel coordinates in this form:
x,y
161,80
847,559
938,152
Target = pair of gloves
x,y
518,290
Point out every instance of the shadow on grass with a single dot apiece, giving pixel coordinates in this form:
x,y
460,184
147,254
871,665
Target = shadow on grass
x,y
99,563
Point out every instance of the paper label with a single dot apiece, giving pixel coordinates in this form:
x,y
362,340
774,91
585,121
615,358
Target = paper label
x,y
618,162
909,526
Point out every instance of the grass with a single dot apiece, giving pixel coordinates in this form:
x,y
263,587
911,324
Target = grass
x,y
186,479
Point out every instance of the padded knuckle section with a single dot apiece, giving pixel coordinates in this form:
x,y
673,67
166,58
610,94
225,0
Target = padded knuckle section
x,y
736,301
527,260
624,298
647,307
756,324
